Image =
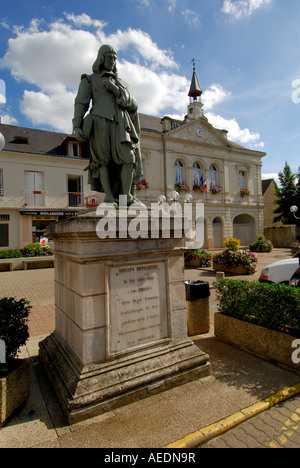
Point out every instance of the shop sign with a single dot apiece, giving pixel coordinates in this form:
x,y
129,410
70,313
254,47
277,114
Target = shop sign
x,y
92,200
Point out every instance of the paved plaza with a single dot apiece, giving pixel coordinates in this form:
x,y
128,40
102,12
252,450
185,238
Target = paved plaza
x,y
176,417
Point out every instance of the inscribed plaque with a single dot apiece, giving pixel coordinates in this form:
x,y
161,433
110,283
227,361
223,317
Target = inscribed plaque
x,y
138,305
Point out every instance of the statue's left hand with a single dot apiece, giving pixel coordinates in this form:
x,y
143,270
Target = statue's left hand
x,y
79,134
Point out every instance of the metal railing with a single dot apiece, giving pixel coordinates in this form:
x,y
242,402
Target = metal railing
x,y
75,199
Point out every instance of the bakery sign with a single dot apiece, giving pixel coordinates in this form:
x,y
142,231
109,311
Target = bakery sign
x,y
92,200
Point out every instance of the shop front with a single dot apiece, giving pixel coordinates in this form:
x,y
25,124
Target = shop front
x,y
37,221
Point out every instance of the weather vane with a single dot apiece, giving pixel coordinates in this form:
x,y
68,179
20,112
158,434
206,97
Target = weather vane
x,y
193,61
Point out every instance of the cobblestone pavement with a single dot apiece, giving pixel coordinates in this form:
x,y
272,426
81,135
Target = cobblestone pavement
x,y
278,427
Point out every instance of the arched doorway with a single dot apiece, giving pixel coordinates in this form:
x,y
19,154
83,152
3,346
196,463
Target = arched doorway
x,y
244,229
218,233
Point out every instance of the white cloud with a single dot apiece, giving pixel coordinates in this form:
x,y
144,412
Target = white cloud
x,y
240,9
8,119
53,109
2,92
214,95
191,17
235,133
272,175
172,5
53,60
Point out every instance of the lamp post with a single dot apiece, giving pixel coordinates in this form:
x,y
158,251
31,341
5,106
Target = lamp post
x,y
294,210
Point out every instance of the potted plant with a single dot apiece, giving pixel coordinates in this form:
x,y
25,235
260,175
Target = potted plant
x,y
197,258
235,261
295,248
261,245
14,372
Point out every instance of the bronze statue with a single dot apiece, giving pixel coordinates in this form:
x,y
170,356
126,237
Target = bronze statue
x,y
112,128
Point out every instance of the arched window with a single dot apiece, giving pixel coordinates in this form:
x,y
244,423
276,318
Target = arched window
x,y
197,175
243,180
213,176
178,173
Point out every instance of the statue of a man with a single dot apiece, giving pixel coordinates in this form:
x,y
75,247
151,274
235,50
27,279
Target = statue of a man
x,y
112,128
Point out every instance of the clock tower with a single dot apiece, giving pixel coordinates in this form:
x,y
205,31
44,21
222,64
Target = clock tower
x,y
195,106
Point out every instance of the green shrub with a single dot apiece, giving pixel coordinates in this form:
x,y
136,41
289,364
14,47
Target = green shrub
x,y
13,328
10,253
273,306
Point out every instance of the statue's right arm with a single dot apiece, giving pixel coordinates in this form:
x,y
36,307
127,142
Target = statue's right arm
x,y
82,103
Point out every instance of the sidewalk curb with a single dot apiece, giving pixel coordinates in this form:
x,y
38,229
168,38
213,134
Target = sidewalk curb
x,y
210,432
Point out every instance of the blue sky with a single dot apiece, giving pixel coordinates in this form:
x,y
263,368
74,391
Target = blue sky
x,y
246,51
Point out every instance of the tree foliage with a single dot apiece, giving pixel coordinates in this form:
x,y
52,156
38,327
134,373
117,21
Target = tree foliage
x,y
287,195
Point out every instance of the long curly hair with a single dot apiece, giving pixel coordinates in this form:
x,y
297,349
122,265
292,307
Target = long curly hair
x,y
98,64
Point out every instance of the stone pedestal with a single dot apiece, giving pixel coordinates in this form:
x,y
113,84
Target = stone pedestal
x,y
121,327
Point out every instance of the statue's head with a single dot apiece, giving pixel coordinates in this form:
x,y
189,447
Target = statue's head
x,y
101,63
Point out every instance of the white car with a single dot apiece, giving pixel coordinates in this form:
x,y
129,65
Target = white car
x,y
280,272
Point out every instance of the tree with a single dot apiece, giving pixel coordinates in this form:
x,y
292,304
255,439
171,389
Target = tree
x,y
297,198
286,196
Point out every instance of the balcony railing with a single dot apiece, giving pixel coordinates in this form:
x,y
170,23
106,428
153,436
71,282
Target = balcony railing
x,y
35,198
75,199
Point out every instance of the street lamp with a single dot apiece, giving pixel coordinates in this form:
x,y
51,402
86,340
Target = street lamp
x,y
2,141
294,210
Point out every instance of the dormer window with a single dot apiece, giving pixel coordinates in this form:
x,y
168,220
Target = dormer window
x,y
21,140
73,148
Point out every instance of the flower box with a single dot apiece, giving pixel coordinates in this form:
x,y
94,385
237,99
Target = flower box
x,y
268,344
14,390
245,193
182,188
238,262
216,189
197,258
200,188
142,185
238,270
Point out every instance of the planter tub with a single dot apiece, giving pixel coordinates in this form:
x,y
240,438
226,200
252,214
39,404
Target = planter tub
x,y
195,262
14,390
268,344
262,249
24,263
240,270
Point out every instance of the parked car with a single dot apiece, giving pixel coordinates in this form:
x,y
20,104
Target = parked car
x,y
282,271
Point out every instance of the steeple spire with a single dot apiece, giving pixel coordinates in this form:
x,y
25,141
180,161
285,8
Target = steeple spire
x,y
195,89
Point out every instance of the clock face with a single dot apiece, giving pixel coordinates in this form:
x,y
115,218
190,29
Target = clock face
x,y
199,132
